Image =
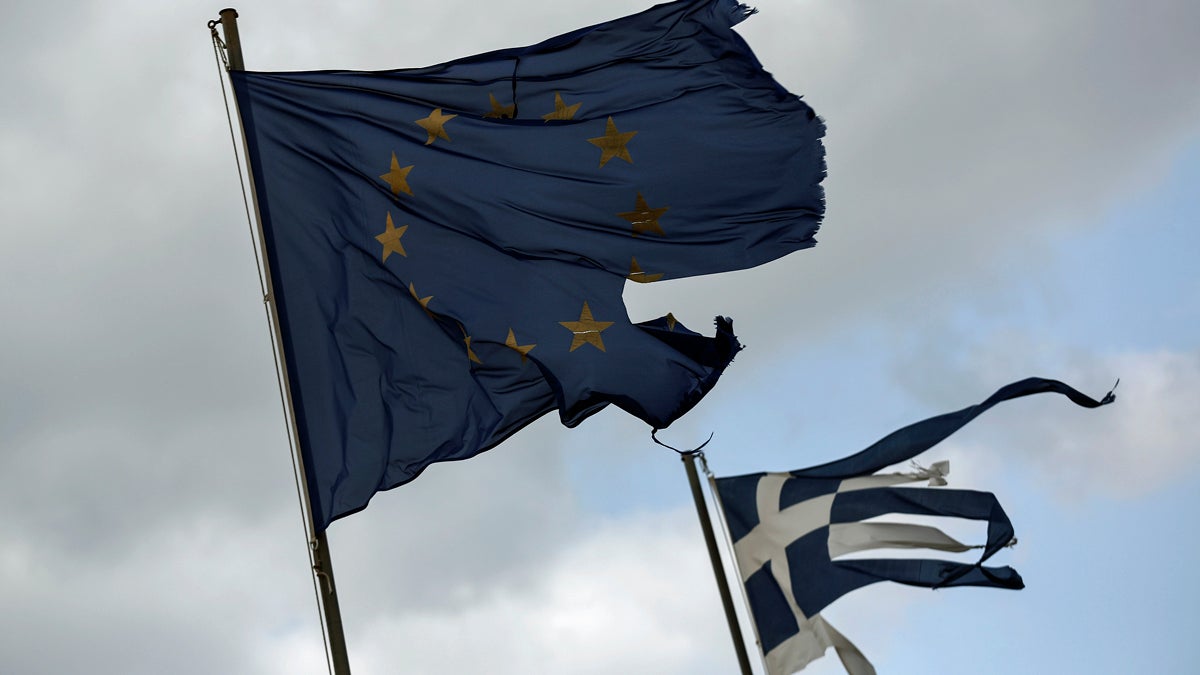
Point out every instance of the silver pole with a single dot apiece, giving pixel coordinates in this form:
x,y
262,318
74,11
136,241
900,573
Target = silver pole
x,y
710,540
322,565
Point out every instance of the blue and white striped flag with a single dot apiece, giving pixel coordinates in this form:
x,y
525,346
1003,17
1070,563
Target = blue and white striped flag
x,y
789,529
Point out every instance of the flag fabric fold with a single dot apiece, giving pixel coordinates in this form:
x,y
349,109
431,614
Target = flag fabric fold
x,y
788,529
448,245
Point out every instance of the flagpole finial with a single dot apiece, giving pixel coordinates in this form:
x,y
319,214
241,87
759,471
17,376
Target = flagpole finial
x,y
233,42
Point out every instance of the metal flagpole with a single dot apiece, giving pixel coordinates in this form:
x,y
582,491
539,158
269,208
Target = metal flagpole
x,y
318,544
739,645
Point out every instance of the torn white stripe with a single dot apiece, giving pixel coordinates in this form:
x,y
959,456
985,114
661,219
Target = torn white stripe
x,y
816,636
851,537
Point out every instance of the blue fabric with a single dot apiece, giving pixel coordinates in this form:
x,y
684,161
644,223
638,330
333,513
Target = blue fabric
x,y
773,619
739,491
403,254
908,442
828,580
816,578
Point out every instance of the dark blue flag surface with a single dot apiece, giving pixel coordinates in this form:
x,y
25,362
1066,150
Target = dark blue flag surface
x,y
448,245
788,528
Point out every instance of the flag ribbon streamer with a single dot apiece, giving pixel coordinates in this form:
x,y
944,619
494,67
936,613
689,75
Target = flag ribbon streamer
x,y
908,442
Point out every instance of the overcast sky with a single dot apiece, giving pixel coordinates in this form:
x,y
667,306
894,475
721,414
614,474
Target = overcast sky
x,y
1011,192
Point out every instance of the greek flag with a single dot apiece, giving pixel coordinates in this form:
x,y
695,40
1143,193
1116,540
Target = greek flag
x,y
789,529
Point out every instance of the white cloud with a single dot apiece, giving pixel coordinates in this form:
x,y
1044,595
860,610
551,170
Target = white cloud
x,y
634,595
189,600
1142,442
957,134
149,519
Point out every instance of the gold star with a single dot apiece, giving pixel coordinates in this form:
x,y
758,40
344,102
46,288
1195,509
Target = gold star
x,y
511,343
391,239
586,330
671,321
397,177
562,111
636,274
435,125
643,218
470,353
612,143
423,301
467,339
500,112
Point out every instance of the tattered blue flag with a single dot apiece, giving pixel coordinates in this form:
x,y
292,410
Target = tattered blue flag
x,y
448,245
789,528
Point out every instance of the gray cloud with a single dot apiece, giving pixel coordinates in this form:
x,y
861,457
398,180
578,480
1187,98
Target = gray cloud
x,y
150,520
957,134
1129,449
607,603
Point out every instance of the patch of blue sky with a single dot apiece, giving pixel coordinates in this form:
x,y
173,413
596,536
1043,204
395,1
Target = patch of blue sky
x,y
827,400
1111,588
1126,283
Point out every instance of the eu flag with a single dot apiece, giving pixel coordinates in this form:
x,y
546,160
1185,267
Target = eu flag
x,y
448,245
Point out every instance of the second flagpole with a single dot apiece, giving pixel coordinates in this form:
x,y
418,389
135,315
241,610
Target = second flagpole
x,y
710,540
